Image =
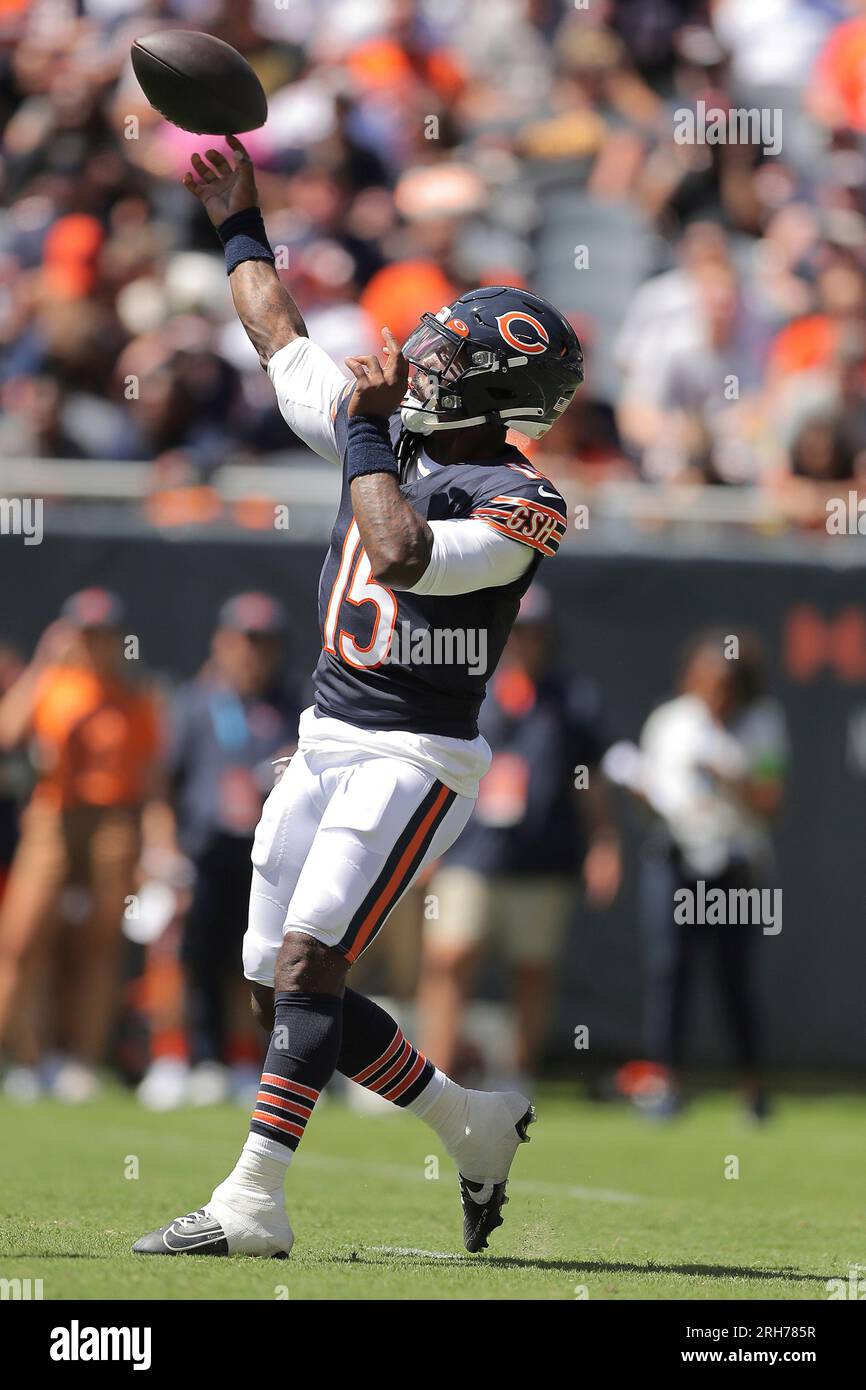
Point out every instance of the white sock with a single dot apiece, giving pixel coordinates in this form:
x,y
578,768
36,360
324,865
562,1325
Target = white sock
x,y
443,1106
268,1148
259,1174
477,1128
250,1205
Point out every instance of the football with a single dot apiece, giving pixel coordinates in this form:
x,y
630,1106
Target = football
x,y
198,82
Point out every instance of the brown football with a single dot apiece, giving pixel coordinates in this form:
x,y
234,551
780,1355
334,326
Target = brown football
x,y
198,82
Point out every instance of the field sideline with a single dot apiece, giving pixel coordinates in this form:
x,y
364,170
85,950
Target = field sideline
x,y
601,1201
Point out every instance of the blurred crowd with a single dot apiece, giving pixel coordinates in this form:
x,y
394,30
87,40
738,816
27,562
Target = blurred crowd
x,y
127,815
415,148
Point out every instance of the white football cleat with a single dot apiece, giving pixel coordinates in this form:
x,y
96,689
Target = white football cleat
x,y
245,1216
264,1231
495,1126
220,1229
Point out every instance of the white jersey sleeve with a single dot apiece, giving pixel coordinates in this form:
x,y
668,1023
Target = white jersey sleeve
x,y
309,385
469,555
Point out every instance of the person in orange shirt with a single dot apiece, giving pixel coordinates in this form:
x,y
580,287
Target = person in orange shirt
x,y
96,741
399,294
836,94
811,342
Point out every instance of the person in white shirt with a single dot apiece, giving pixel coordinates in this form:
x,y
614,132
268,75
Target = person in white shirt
x,y
711,771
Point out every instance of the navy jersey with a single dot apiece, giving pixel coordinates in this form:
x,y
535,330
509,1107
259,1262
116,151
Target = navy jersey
x,y
420,662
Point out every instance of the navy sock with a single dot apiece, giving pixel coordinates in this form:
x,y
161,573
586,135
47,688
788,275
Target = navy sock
x,y
377,1055
302,1058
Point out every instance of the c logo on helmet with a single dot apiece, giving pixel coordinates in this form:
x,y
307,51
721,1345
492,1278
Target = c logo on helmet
x,y
534,337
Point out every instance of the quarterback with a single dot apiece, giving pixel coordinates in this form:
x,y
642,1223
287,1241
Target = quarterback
x,y
441,528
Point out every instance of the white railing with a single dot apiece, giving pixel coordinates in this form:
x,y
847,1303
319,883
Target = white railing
x,y
620,509
678,502
72,480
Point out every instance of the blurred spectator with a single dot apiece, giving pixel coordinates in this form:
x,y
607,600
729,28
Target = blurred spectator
x,y
810,342
180,405
711,771
696,413
412,149
15,777
838,90
96,745
227,727
665,312
541,821
34,426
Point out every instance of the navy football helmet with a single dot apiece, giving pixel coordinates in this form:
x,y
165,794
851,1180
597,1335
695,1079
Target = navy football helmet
x,y
495,354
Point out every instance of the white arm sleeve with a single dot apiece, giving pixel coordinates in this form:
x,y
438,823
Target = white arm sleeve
x,y
308,386
469,555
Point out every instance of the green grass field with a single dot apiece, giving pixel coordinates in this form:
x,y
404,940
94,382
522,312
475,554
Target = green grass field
x,y
600,1200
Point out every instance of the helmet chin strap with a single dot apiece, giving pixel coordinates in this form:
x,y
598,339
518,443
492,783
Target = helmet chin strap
x,y
416,420
420,421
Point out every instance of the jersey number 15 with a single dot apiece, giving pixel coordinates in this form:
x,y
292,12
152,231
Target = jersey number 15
x,y
356,586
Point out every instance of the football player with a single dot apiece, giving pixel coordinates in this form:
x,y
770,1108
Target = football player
x,y
441,528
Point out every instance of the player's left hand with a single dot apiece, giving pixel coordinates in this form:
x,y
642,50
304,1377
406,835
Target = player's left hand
x,y
379,389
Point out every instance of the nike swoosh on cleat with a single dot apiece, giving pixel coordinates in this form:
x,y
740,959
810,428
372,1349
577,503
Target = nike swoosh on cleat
x,y
174,1239
204,1236
479,1192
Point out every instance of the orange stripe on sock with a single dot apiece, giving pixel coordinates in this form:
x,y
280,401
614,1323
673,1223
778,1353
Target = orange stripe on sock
x,y
278,1123
405,1054
287,1085
407,1080
392,1047
293,1106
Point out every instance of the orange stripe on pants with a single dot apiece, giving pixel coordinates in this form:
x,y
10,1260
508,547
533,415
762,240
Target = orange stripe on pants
x,y
383,902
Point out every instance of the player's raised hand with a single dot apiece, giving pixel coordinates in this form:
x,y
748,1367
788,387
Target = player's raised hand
x,y
379,388
222,187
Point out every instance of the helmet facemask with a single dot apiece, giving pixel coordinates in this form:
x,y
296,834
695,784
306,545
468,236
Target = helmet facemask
x,y
440,360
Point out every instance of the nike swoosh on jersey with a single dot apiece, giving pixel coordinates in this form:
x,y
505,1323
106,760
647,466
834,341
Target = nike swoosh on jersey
x,y
542,493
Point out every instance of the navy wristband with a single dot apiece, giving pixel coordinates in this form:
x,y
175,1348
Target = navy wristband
x,y
369,448
244,238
